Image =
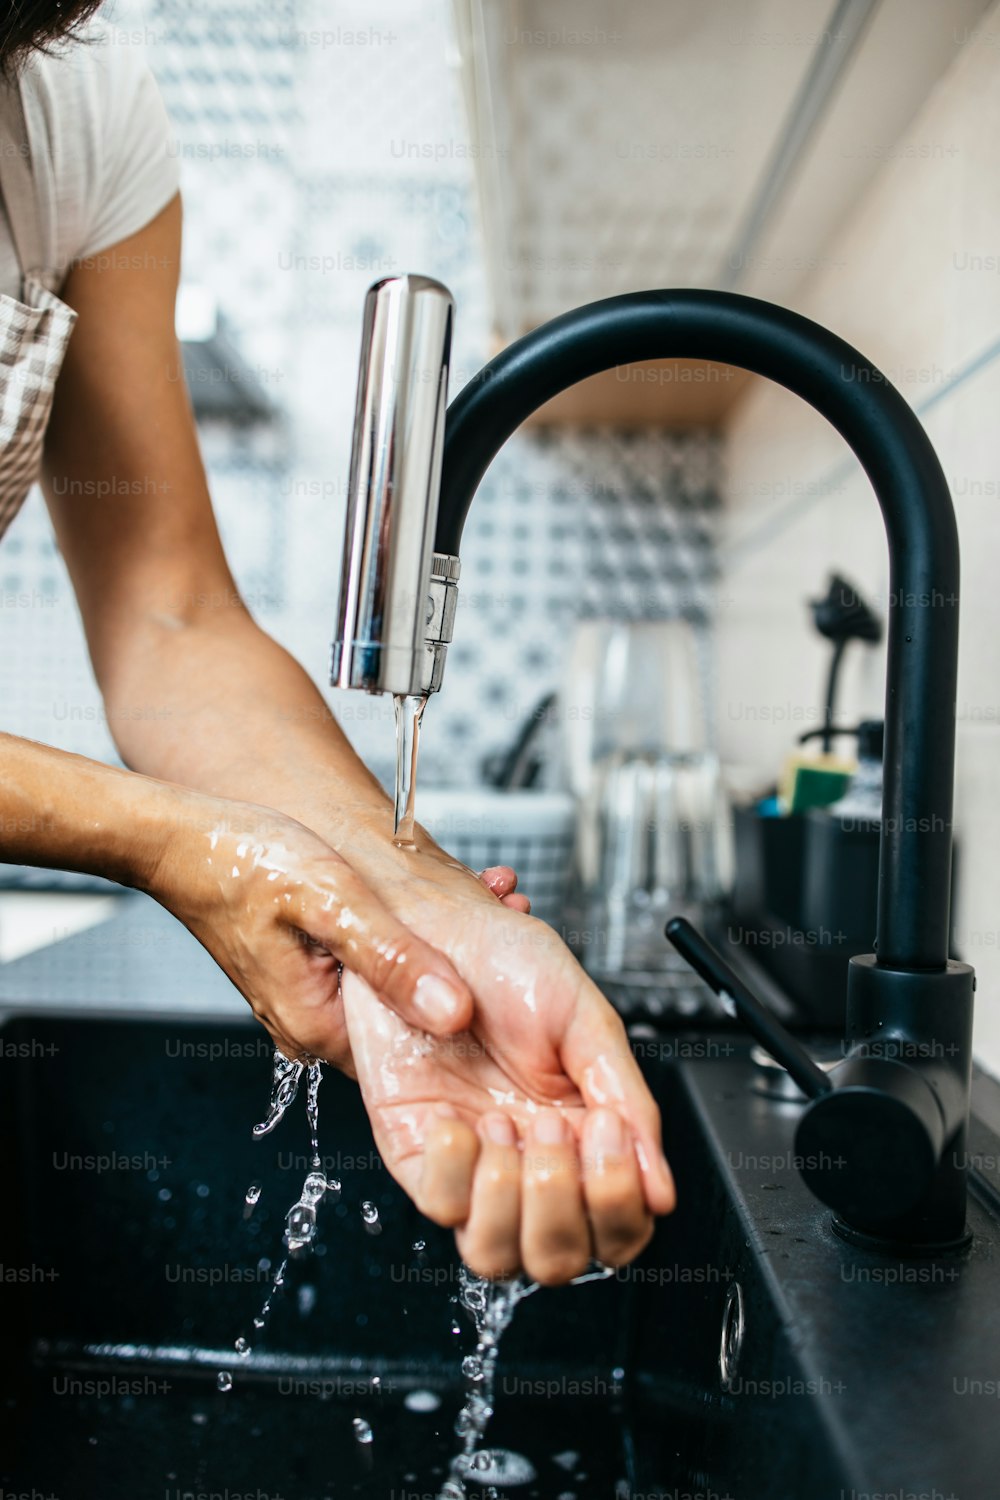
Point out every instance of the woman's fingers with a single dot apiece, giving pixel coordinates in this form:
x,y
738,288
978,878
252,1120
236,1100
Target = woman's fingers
x,y
620,1221
555,1239
502,881
597,1056
449,1159
414,979
548,1208
489,1243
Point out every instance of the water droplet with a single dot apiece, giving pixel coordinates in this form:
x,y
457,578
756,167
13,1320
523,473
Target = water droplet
x,y
253,1194
421,1401
419,1245
472,1367
164,1195
300,1226
199,1418
306,1300
224,1380
369,1214
242,1348
258,1322
362,1431
501,1466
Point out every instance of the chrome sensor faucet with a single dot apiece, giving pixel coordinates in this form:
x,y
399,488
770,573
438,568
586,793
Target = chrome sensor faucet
x,y
397,599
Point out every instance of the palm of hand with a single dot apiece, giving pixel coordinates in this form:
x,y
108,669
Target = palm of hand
x,y
510,1059
532,1133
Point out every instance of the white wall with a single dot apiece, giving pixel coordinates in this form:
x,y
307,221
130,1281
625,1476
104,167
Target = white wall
x,y
913,280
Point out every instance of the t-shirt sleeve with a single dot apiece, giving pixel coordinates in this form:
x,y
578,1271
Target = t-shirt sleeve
x,y
138,173
109,166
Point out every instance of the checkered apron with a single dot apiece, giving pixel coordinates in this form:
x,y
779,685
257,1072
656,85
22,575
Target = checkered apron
x,y
33,333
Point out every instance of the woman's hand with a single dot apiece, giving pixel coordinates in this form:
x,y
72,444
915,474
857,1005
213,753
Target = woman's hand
x,y
280,911
532,1131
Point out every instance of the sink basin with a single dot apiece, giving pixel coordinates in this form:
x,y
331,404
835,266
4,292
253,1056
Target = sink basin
x,y
131,1078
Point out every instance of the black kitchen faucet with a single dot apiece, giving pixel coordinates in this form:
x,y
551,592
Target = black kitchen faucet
x,y
883,1139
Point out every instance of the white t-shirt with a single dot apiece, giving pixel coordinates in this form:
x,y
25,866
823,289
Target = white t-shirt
x,y
99,142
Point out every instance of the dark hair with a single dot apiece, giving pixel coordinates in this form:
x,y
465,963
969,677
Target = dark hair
x,y
31,25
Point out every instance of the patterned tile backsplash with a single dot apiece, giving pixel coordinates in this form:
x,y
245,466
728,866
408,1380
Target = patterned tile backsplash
x,y
316,156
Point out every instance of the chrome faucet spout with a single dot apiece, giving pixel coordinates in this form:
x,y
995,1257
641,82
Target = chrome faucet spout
x,y
391,589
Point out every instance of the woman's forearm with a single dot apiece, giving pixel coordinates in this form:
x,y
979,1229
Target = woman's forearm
x,y
70,813
217,705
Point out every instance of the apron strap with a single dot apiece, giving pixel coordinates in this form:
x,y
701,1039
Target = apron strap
x,y
18,183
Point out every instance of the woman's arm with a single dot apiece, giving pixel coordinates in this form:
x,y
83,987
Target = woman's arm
x,y
197,694
275,906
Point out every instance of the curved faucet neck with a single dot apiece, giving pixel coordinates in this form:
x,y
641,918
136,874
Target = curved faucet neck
x,y
896,454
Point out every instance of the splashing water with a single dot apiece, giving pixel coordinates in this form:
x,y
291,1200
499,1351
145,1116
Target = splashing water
x,y
409,711
491,1305
313,1081
362,1430
300,1221
284,1087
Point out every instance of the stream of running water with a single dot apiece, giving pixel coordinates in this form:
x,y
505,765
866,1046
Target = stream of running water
x,y
409,712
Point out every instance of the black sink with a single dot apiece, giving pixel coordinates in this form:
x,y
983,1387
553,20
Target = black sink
x,y
129,1270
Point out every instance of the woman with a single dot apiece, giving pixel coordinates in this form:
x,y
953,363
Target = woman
x,y
245,811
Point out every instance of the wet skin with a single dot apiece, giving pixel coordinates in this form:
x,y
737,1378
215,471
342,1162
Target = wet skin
x,y
502,1091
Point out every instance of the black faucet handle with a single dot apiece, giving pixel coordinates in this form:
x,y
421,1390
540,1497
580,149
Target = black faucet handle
x,y
871,1144
761,1022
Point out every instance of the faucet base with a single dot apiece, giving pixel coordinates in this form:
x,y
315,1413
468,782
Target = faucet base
x,y
901,1249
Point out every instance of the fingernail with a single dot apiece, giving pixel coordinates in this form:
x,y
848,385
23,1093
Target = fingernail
x,y
607,1133
550,1128
439,1001
500,1130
